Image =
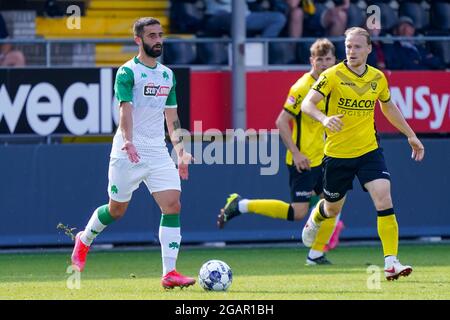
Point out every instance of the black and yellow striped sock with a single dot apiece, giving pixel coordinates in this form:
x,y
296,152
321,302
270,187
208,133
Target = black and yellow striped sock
x,y
271,208
388,231
318,213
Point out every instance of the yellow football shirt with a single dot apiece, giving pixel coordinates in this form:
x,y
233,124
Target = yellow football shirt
x,y
354,96
307,133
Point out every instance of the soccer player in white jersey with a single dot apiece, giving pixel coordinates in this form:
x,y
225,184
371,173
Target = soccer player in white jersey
x,y
145,90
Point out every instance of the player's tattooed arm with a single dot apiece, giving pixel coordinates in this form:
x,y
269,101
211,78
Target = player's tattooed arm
x,y
178,137
175,131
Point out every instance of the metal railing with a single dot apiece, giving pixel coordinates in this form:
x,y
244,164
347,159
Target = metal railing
x,y
50,44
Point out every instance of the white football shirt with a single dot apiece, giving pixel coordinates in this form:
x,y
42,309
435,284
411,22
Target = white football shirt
x,y
150,91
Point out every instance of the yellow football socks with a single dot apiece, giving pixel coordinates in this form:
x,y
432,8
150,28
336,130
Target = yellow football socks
x,y
270,208
388,232
324,234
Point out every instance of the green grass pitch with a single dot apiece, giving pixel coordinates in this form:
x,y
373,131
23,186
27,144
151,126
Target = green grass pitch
x,y
259,273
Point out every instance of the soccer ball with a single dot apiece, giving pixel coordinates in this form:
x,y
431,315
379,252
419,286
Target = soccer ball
x,y
215,275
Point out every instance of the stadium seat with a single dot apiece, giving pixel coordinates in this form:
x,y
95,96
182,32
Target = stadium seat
x,y
356,16
416,13
376,2
125,13
120,5
303,52
340,50
440,16
113,54
389,52
179,53
282,53
442,50
94,27
212,53
312,26
185,17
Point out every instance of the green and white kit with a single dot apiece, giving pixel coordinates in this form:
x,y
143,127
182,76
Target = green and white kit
x,y
150,91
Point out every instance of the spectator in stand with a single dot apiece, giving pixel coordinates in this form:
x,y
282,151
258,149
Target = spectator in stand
x,y
408,54
294,12
377,57
323,21
8,56
334,19
185,17
218,19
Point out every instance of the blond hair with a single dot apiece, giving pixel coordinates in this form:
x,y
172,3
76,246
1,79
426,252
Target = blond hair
x,y
321,47
360,32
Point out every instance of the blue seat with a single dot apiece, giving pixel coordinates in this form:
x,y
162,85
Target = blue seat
x,y
282,53
185,17
416,13
340,50
442,50
356,16
212,53
179,53
303,53
440,16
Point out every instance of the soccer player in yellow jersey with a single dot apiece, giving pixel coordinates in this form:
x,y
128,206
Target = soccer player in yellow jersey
x,y
351,147
305,143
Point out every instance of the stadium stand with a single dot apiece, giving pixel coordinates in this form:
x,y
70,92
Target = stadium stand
x,y
14,24
104,19
180,53
356,16
185,19
282,53
440,25
212,53
389,17
418,10
186,16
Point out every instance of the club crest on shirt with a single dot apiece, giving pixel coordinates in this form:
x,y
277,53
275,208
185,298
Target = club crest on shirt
x,y
373,85
290,101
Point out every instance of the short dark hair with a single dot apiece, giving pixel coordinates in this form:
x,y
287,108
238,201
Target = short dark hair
x,y
138,27
321,47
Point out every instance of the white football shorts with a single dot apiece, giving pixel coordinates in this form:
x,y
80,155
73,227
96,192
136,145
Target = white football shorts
x,y
157,172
